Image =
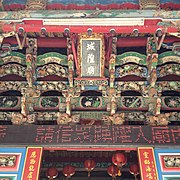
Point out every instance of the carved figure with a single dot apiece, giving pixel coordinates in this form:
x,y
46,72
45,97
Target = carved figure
x,y
152,63
70,69
20,119
7,161
28,100
152,99
113,107
31,53
158,106
172,161
32,46
159,120
112,69
64,118
151,46
24,109
153,78
29,77
116,119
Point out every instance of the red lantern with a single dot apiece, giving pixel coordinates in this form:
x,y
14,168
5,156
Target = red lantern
x,y
52,173
89,165
68,170
119,159
134,169
113,171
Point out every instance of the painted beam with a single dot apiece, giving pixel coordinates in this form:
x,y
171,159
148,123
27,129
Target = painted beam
x,y
62,43
80,28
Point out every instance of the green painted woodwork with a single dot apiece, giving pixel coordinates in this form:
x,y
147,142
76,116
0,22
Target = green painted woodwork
x,y
52,57
9,177
130,57
57,14
13,57
168,56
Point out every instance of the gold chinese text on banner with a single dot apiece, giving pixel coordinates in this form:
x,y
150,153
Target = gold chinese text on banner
x,y
32,163
147,163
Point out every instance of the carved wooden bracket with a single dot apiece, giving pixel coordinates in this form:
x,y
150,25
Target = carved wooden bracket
x,y
149,4
36,4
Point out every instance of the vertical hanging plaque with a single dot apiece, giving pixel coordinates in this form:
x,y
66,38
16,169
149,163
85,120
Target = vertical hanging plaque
x,y
32,163
147,163
91,55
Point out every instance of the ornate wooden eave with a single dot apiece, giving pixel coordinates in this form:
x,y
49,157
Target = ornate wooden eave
x,y
88,4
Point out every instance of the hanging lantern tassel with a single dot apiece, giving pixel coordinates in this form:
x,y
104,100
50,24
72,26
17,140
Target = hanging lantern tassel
x,y
119,171
89,173
135,177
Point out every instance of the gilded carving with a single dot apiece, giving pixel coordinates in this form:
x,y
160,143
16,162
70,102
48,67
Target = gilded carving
x,y
64,118
172,101
12,69
21,119
51,69
71,70
128,69
171,161
69,94
152,78
159,119
112,63
31,60
28,100
36,4
149,4
168,69
131,85
115,119
7,160
41,85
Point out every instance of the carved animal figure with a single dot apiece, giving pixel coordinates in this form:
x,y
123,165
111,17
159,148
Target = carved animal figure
x,y
19,119
159,120
116,119
64,118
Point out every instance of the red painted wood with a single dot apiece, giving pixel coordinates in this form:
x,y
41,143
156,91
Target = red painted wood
x,y
92,7
61,42
91,148
59,6
80,29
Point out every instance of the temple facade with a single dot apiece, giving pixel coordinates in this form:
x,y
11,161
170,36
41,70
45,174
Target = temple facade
x,y
89,89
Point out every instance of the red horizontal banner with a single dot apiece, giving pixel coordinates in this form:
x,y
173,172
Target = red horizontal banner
x,y
147,164
32,163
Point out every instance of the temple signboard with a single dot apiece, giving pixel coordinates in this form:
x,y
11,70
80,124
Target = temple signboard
x,y
88,136
91,55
